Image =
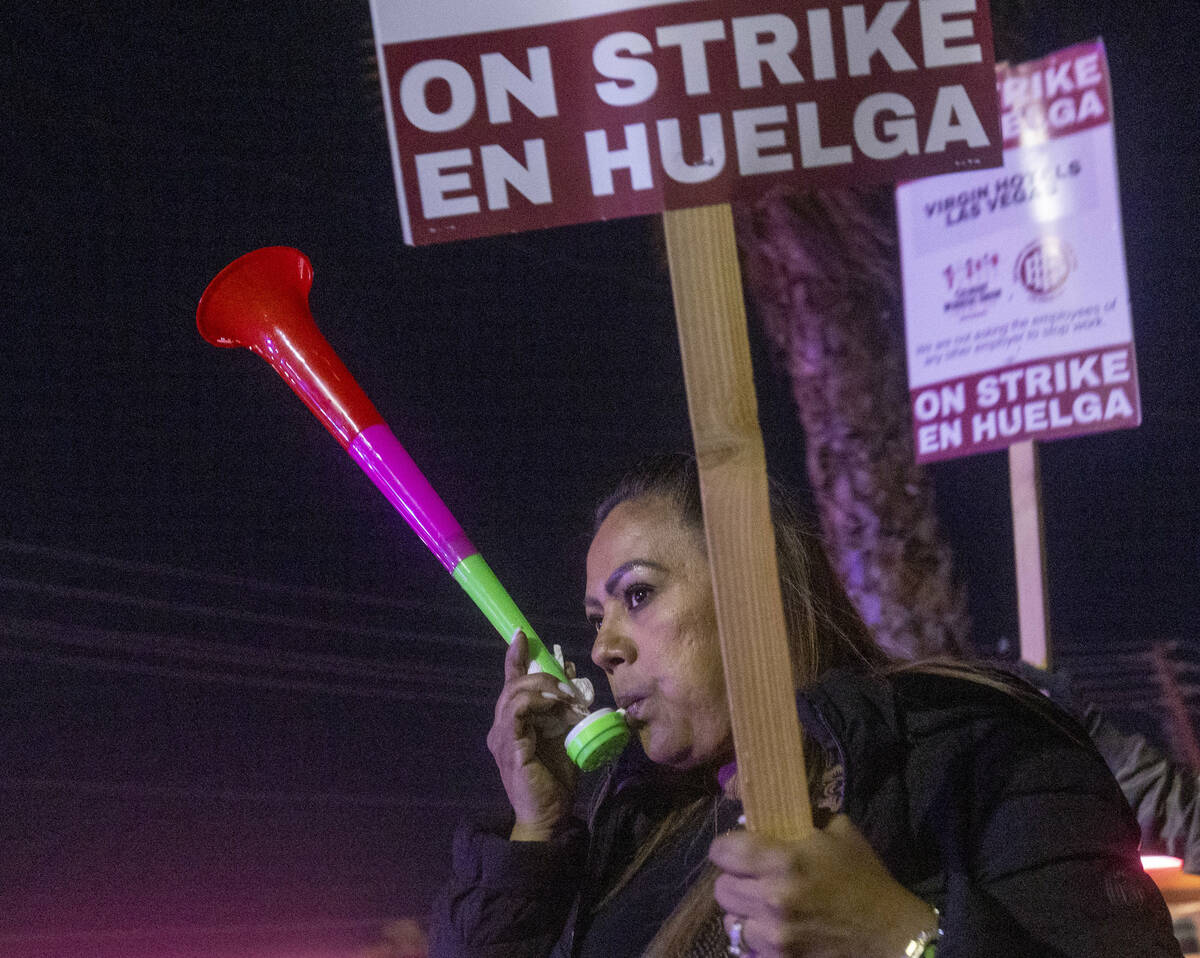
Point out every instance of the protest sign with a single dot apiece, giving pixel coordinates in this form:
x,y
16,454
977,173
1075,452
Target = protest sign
x,y
520,115
1015,294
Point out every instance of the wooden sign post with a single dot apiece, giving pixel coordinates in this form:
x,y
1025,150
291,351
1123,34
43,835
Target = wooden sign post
x,y
1033,610
711,316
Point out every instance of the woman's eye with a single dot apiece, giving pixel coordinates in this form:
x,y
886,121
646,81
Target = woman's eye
x,y
635,595
596,621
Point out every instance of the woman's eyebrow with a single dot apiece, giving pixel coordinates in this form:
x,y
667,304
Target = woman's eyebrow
x,y
610,584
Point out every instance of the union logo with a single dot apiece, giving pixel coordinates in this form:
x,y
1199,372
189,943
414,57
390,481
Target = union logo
x,y
1044,265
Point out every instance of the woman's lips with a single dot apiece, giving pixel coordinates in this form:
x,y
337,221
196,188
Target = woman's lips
x,y
633,706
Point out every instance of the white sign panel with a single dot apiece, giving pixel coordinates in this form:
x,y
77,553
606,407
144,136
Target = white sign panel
x,y
1015,293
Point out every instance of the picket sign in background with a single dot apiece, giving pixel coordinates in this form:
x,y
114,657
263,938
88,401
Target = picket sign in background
x,y
1016,301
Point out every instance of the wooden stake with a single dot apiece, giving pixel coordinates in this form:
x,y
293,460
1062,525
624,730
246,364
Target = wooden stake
x,y
711,316
1029,545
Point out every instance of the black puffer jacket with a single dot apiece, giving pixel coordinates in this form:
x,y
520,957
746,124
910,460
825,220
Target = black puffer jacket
x,y
990,805
1163,793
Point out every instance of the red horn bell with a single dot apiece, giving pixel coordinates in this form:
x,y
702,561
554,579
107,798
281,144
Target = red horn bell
x,y
260,301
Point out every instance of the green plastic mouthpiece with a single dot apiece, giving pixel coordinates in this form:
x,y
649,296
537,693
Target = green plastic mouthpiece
x,y
598,739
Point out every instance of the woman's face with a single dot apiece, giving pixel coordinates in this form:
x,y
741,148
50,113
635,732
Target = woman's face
x,y
650,598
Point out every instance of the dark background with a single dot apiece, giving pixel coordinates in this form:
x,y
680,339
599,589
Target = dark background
x,y
240,706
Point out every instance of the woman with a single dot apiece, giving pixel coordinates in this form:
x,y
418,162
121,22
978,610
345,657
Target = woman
x,y
956,812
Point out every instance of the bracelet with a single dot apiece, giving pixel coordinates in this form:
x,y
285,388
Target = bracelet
x,y
924,945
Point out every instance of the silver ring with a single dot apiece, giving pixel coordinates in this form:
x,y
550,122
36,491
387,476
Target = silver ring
x,y
736,945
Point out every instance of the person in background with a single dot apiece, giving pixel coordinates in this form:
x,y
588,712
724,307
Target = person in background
x,y
1163,793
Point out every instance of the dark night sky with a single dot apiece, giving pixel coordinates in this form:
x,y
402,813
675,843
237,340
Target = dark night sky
x,y
236,691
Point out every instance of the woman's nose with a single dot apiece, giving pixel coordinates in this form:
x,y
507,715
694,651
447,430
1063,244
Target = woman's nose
x,y
610,648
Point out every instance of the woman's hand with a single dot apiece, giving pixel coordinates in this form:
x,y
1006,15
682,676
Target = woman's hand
x,y
537,774
828,896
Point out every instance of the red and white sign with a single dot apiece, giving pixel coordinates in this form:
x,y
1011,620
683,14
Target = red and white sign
x,y
1016,300
523,114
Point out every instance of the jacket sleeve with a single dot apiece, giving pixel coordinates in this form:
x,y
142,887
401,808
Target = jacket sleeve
x,y
506,899
1038,845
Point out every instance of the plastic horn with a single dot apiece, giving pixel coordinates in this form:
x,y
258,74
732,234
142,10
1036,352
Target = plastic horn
x,y
260,301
